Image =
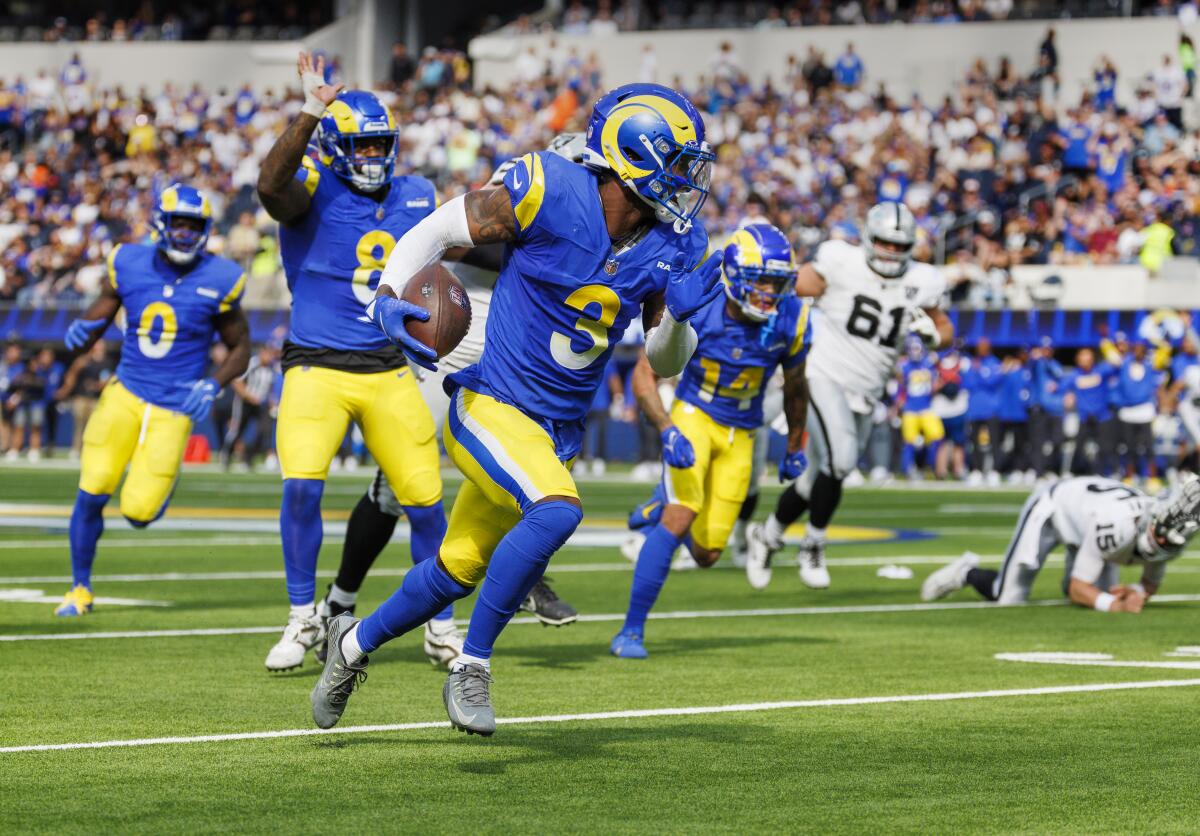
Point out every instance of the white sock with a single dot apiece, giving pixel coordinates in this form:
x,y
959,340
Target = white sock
x,y
465,659
303,610
350,646
341,597
773,530
817,535
441,626
739,533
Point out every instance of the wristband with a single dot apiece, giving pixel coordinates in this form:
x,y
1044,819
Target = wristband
x,y
1104,602
1138,588
313,107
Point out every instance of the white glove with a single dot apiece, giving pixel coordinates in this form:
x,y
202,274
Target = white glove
x,y
317,94
923,326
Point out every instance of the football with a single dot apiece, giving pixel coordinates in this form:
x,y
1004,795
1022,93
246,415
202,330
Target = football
x,y
438,291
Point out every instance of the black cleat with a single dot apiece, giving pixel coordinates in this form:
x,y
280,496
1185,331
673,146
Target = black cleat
x,y
547,607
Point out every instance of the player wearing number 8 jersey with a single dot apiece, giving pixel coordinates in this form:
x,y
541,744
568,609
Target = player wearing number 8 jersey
x,y
589,247
868,300
340,216
175,296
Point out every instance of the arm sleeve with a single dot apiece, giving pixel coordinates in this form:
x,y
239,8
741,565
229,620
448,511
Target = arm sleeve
x,y
670,345
426,242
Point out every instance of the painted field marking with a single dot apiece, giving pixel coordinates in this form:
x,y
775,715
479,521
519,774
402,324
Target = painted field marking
x,y
591,618
36,596
631,714
1099,660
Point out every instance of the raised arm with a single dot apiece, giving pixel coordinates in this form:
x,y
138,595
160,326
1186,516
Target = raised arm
x,y
283,196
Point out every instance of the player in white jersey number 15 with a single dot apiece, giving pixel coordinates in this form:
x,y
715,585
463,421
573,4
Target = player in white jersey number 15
x,y
868,300
1103,525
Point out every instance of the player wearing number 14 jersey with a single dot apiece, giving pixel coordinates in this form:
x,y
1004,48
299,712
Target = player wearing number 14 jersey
x,y
589,247
340,216
868,300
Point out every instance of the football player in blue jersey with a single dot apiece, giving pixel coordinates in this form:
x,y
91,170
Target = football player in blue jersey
x,y
176,296
590,246
340,216
918,421
708,435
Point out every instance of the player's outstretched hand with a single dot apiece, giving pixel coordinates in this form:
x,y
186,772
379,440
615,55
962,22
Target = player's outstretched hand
x,y
677,450
80,331
200,397
317,94
688,292
792,465
390,315
922,325
1133,601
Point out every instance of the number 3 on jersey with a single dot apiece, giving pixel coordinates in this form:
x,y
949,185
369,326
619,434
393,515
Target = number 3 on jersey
x,y
595,328
373,250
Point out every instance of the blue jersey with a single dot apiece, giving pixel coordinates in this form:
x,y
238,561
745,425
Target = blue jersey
x,y
1136,383
725,376
1015,388
1091,391
334,254
918,377
564,297
1047,394
982,382
170,318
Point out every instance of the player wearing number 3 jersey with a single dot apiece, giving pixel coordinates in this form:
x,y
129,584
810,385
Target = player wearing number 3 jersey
x,y
868,300
340,216
589,247
175,296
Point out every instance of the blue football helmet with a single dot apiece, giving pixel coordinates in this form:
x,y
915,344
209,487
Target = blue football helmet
x,y
759,270
353,120
653,139
181,221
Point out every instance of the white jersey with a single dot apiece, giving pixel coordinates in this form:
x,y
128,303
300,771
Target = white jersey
x,y
1191,383
857,331
1100,518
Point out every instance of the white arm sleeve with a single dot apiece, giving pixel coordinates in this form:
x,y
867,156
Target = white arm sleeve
x,y
426,242
669,346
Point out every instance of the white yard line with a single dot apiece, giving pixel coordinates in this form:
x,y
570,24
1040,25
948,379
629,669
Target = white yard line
x,y
629,714
1096,660
590,617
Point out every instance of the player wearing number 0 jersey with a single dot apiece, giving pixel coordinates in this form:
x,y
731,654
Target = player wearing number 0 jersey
x,y
868,300
589,247
340,216
708,436
1103,525
176,297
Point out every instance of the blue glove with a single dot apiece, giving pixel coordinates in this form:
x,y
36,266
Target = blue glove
x,y
689,292
200,397
677,450
81,330
792,465
390,314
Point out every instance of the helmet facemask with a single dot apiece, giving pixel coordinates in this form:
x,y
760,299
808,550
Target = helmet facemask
x,y
758,291
181,236
887,258
367,160
1171,524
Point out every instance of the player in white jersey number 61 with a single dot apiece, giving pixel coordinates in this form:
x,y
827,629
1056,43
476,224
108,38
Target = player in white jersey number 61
x,y
868,300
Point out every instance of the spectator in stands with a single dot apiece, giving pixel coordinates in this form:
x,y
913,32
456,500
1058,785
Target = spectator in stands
x,y
1170,88
848,69
242,241
1156,245
1187,62
26,401
402,67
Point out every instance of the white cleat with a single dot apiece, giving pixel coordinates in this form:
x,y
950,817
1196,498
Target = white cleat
x,y
683,560
443,642
992,479
758,564
949,579
300,634
632,547
813,571
740,555
974,479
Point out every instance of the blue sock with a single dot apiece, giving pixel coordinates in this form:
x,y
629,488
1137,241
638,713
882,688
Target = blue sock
x,y
654,562
931,454
908,458
87,524
426,590
428,528
301,532
518,562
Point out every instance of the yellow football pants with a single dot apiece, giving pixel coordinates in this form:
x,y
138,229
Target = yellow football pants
x,y
716,485
126,430
926,425
316,409
510,464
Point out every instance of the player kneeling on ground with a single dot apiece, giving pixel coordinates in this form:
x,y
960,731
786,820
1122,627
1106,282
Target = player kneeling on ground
x,y
176,296
1104,525
708,437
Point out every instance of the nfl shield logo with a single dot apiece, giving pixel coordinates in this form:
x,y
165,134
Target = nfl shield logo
x,y
737,354
168,291
379,213
610,267
910,293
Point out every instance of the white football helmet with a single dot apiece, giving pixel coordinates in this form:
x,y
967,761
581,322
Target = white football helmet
x,y
889,223
1171,523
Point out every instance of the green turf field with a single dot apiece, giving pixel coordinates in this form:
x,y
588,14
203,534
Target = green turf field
x,y
776,736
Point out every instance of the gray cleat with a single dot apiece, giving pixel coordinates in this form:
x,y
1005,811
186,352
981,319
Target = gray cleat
x,y
468,702
338,679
